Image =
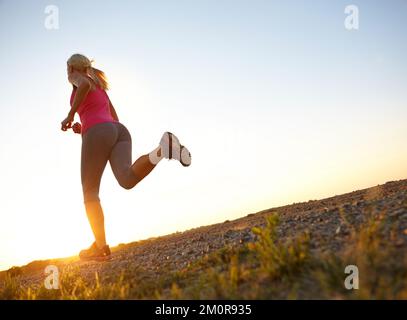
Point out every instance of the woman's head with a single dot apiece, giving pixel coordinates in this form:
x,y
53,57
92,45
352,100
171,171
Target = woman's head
x,y
80,63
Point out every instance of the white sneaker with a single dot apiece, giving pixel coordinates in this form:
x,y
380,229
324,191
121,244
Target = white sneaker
x,y
172,149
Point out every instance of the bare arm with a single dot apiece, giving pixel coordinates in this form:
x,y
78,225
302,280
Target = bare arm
x,y
113,111
83,86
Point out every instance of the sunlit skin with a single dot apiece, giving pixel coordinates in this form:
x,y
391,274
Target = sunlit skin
x,y
141,167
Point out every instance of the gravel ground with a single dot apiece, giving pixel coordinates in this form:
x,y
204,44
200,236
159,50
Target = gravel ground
x,y
322,218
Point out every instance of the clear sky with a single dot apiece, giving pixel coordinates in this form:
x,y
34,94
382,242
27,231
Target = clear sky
x,y
277,101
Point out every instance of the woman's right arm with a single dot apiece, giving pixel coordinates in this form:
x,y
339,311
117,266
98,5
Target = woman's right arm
x,y
83,87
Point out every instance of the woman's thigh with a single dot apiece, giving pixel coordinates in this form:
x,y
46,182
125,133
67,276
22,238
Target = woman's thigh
x,y
121,159
97,144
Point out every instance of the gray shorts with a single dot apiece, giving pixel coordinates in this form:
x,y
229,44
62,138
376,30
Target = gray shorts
x,y
106,141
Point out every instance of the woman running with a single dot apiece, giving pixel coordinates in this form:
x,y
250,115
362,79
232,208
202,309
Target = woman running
x,y
105,138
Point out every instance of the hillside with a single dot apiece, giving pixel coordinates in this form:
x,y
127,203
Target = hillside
x,y
294,251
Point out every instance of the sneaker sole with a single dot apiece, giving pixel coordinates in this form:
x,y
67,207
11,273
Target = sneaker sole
x,y
173,149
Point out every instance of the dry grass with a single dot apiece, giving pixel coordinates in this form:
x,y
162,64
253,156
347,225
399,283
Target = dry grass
x,y
265,269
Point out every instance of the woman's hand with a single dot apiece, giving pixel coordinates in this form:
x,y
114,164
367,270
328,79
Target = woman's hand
x,y
67,122
77,127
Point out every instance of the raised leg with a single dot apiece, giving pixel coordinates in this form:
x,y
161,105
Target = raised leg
x,y
143,165
128,174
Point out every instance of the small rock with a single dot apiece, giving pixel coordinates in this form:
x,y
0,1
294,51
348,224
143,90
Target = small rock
x,y
228,234
397,212
246,238
347,206
338,230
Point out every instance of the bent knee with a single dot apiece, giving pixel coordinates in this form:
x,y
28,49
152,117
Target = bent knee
x,y
126,185
129,181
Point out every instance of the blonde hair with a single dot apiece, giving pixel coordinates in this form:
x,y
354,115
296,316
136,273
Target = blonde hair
x,y
82,63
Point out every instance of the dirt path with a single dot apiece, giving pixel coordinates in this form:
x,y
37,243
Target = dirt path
x,y
322,218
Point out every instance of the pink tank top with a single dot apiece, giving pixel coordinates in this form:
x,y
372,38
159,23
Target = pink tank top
x,y
94,108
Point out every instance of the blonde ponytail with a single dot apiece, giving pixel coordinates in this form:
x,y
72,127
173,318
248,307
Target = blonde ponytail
x,y
82,63
99,77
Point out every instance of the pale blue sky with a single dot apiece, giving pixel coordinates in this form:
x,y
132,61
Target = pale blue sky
x,y
276,100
